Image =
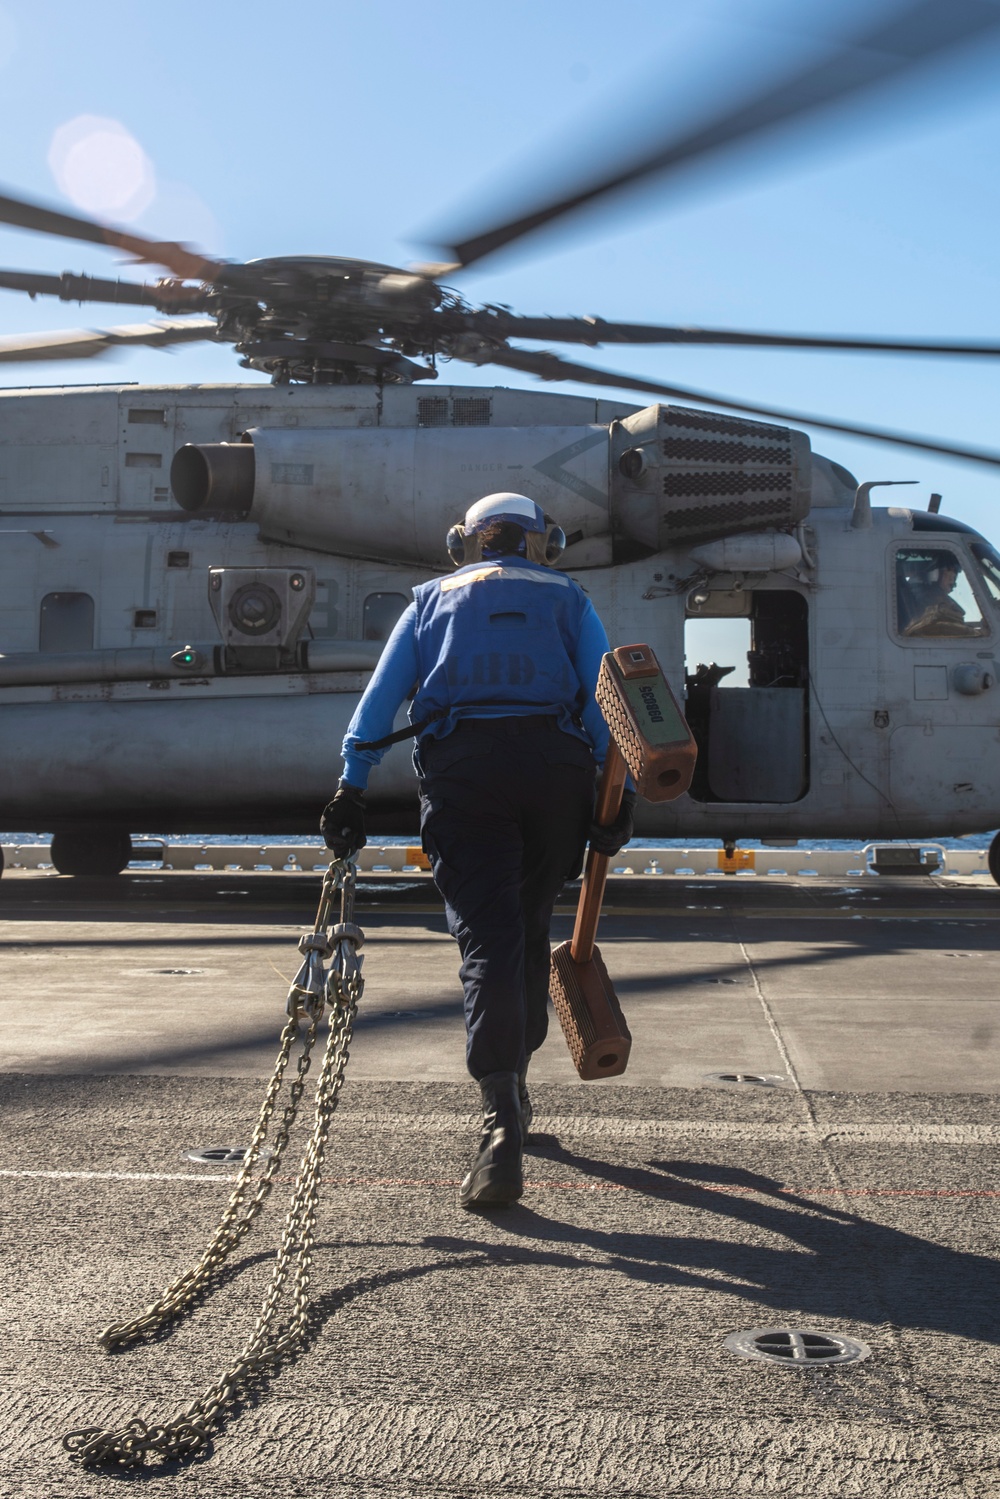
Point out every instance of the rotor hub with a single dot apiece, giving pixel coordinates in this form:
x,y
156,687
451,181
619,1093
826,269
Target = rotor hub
x,y
323,319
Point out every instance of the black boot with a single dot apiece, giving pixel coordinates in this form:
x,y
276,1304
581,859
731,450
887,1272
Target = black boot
x,y
495,1177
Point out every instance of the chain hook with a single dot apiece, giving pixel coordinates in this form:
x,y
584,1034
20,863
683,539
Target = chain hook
x,y
313,988
346,938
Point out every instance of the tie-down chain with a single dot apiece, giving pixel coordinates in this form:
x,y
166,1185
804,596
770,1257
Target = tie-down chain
x,y
330,975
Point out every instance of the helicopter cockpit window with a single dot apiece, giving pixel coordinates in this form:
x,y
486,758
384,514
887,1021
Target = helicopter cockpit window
x,y
934,598
381,611
66,622
989,562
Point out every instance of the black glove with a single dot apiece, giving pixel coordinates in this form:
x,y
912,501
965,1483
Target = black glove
x,y
610,840
343,821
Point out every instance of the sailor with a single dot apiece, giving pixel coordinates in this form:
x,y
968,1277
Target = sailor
x,y
505,654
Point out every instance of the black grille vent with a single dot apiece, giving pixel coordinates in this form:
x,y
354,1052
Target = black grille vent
x,y
711,476
464,411
432,411
711,482
472,411
680,416
703,520
704,450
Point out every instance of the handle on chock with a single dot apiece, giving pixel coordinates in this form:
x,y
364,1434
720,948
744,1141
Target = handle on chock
x,y
588,912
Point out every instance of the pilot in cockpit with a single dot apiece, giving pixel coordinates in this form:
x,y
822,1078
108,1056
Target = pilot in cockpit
x,y
931,609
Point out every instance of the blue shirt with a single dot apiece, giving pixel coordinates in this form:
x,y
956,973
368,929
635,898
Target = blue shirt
x,y
493,639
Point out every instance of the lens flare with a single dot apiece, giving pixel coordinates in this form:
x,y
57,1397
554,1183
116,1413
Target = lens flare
x,y
102,168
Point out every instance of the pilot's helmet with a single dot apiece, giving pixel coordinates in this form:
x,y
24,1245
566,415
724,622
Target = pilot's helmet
x,y
543,542
941,562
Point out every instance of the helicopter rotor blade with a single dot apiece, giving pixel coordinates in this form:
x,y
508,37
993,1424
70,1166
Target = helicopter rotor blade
x,y
181,259
169,296
923,31
85,343
550,367
594,331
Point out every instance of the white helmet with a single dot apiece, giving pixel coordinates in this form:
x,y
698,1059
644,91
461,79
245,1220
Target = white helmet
x,y
513,507
506,506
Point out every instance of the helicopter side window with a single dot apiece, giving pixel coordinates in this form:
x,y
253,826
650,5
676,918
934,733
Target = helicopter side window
x,y
66,622
934,598
989,564
381,611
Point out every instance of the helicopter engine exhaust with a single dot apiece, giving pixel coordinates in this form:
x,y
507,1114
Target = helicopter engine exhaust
x,y
639,484
216,476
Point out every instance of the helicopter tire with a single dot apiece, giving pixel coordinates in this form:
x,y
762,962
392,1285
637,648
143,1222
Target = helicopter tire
x,y
94,852
993,859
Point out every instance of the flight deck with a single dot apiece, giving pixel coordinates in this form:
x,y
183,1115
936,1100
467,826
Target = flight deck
x,y
805,1140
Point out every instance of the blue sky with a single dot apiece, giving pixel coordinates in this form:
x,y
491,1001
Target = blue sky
x,y
348,127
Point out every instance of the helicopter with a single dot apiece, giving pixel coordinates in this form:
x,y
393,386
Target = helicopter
x,y
198,580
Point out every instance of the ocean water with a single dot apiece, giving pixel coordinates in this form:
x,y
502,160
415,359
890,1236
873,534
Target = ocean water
x,y
383,840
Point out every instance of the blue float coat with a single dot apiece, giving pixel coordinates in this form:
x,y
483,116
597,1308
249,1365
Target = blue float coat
x,y
493,639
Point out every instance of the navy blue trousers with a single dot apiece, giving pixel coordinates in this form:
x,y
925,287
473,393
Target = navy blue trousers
x,y
506,807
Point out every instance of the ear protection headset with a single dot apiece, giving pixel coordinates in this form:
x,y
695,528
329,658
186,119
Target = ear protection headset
x,y
545,542
547,547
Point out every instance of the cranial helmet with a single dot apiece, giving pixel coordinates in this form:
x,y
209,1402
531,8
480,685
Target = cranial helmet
x,y
544,541
940,562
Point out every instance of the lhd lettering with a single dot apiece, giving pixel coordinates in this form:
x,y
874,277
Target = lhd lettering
x,y
493,669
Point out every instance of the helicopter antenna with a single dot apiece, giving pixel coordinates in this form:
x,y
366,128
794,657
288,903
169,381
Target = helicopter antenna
x,y
861,516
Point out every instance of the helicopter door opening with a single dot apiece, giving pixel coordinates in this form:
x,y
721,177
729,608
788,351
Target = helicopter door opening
x,y
746,674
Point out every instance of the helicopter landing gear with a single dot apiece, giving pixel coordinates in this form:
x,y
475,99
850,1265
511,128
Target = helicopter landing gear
x,y
91,851
993,858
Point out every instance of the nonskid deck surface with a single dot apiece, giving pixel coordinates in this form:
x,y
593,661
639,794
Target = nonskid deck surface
x,y
571,1345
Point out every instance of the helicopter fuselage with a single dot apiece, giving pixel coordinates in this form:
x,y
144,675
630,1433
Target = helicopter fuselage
x,y
855,720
